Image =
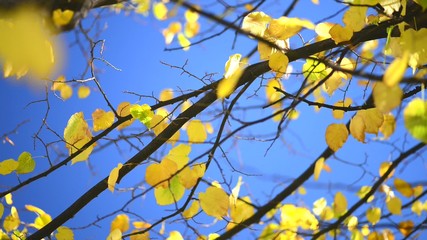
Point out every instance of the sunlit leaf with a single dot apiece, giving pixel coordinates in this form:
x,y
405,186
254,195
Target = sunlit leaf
x,y
171,194
415,116
357,128
394,73
1,210
8,166
363,191
384,167
64,233
394,205
386,98
373,215
62,17
160,10
196,132
8,199
184,42
339,114
336,135
233,70
83,92
112,178
143,113
352,223
354,18
284,27
319,205
278,62
340,204
116,234
388,126
102,119
256,23
123,110
318,168
120,222
12,221
340,34
403,187
76,135
179,155
417,207
160,173
214,202
192,210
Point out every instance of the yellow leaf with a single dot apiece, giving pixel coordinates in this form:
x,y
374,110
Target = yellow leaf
x,y
185,105
102,120
123,110
384,167
235,191
405,227
333,83
175,235
278,62
415,116
372,118
394,73
271,93
166,94
209,128
188,177
66,92
388,126
8,199
160,10
77,134
319,205
179,155
139,236
192,210
12,221
83,92
357,128
120,222
352,223
141,225
241,210
373,215
354,18
196,132
298,216
64,233
340,204
340,34
417,190
417,207
403,187
394,205
1,211
61,18
83,156
171,194
233,71
160,173
363,191
184,42
214,202
191,29
386,98
339,114
336,135
256,23
116,234
41,221
322,30
284,27
318,168
191,16
8,166
112,178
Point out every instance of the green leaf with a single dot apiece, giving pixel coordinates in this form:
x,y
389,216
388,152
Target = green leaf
x,y
171,194
415,116
143,113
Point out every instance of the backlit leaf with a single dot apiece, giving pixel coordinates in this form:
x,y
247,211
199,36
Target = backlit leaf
x,y
417,207
61,18
386,98
192,210
278,62
83,92
166,94
160,10
256,23
415,116
8,199
175,235
241,210
339,114
284,27
184,42
12,221
179,155
340,204
196,132
123,110
384,167
143,113
394,205
388,126
214,202
233,70
354,18
373,215
171,194
403,187
116,234
336,135
394,73
340,34
357,128
120,222
64,233
160,173
319,205
318,168
76,135
363,191
112,178
8,166
102,119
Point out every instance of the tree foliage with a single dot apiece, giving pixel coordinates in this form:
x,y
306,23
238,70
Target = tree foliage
x,y
357,75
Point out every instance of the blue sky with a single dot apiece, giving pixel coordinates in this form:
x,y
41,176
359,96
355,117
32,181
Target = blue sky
x,y
135,45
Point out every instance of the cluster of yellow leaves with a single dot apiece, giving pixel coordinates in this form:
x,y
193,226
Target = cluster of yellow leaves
x,y
76,135
25,164
172,175
120,224
234,68
42,217
26,45
65,90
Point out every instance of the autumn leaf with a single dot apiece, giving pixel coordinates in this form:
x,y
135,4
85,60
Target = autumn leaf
x,y
171,194
8,166
160,11
336,135
383,169
123,110
112,178
278,62
394,73
233,71
403,187
192,210
357,128
256,23
340,204
394,205
83,92
102,119
405,227
143,113
214,202
76,135
64,233
318,168
120,222
196,131
12,221
284,27
373,215
62,17
158,174
340,34
26,163
386,98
